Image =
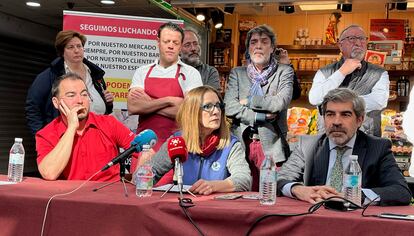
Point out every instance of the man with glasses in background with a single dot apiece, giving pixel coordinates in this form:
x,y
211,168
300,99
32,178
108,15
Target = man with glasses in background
x,y
191,53
78,143
369,81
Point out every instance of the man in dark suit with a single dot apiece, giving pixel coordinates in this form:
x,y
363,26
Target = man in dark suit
x,y
308,175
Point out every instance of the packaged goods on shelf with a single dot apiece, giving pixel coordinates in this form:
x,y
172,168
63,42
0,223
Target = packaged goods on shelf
x,y
301,121
391,122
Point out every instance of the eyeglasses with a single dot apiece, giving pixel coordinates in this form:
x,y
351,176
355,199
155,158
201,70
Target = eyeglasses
x,y
72,47
353,39
209,107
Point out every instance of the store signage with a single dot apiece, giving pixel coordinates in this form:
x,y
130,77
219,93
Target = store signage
x,y
386,29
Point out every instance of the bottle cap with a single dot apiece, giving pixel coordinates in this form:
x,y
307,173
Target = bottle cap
x,y
18,140
353,157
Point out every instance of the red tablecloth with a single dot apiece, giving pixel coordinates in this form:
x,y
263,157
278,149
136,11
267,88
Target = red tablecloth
x,y
109,212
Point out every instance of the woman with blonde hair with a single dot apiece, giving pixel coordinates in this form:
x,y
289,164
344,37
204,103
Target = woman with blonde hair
x,y
216,160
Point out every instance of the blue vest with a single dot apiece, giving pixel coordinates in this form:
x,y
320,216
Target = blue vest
x,y
212,167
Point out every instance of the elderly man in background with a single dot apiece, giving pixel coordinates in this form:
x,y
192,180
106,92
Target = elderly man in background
x,y
369,81
191,53
257,98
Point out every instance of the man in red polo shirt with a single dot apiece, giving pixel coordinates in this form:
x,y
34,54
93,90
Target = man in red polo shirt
x,y
78,143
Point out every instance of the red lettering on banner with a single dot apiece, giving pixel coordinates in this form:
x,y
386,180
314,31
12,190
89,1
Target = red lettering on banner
x,y
118,85
120,94
116,27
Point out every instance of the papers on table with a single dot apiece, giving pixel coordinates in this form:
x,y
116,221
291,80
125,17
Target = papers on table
x,y
173,189
6,182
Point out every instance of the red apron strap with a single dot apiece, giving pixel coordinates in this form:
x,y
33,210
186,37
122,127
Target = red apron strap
x,y
178,73
149,71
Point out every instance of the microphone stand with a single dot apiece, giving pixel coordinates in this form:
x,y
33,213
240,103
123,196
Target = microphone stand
x,y
178,180
121,178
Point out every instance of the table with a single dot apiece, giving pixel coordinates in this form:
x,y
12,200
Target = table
x,y
109,212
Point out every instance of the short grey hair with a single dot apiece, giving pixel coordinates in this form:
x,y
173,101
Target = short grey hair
x,y
261,29
194,32
349,27
345,95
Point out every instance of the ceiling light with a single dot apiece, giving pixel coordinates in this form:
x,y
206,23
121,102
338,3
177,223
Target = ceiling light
x,y
218,18
200,13
108,2
346,7
200,17
33,3
401,6
317,7
289,9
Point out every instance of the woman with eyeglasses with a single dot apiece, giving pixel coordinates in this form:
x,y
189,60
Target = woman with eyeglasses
x,y
216,160
70,49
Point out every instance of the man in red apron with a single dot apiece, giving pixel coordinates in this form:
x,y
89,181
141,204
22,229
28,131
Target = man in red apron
x,y
157,89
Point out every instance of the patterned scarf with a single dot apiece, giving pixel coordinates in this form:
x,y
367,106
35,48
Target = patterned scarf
x,y
260,79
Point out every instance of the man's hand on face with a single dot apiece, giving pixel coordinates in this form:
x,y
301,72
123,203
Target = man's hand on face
x,y
71,114
349,66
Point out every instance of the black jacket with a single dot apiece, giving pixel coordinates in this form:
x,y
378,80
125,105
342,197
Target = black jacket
x,y
39,107
308,163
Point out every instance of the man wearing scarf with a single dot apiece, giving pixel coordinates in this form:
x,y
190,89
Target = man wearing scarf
x,y
369,81
257,98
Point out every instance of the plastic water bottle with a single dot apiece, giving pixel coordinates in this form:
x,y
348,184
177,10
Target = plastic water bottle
x,y
16,161
144,175
352,181
268,178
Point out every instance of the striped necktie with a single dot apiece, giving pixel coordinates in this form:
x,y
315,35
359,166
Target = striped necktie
x,y
338,170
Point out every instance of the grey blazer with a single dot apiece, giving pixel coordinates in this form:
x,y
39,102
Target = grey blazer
x,y
278,94
380,173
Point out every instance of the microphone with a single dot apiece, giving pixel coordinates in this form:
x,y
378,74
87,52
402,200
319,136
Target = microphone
x,y
177,151
146,137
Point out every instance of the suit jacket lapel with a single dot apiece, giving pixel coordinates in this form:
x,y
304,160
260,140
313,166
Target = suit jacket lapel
x,y
318,167
360,147
321,162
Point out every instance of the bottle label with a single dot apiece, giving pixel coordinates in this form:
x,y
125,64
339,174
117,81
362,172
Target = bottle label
x,y
144,177
144,182
352,181
16,158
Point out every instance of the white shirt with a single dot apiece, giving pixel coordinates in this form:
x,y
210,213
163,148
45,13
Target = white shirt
x,y
97,104
192,76
376,100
